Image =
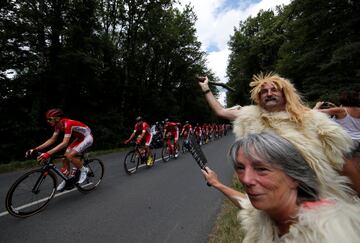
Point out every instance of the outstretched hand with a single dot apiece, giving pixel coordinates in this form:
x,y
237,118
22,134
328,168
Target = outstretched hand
x,y
210,176
203,82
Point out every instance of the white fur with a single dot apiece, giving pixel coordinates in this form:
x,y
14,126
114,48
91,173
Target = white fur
x,y
334,222
321,141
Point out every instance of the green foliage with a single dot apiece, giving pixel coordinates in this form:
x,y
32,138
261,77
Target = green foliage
x,y
103,61
227,227
313,43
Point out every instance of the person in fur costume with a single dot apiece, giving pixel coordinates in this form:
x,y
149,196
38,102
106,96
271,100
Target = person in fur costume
x,y
322,142
281,200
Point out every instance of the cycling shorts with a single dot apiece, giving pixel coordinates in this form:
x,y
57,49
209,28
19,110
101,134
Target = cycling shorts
x,y
79,145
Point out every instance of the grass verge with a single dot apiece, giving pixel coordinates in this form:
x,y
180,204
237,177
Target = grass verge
x,y
27,164
227,227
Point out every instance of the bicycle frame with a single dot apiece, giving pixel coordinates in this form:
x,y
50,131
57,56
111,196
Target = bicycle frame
x,y
138,148
49,166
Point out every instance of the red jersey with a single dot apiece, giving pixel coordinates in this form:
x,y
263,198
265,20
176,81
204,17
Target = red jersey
x,y
72,128
187,127
171,127
143,127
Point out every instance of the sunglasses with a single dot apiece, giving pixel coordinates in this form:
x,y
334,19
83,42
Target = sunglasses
x,y
50,119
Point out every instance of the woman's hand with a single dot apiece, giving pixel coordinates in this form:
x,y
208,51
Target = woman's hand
x,y
211,177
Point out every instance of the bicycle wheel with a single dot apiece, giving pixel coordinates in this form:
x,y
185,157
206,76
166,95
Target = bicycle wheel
x,y
94,176
131,162
165,154
31,193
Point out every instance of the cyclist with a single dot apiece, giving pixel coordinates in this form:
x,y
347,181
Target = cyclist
x,y
198,133
80,135
171,130
143,128
186,130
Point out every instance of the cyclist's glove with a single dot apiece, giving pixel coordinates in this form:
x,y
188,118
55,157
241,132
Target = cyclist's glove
x,y
30,152
44,156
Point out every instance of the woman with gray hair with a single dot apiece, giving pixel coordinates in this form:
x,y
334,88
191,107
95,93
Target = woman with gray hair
x,y
281,201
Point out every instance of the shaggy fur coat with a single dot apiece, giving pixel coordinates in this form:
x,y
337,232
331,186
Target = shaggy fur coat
x,y
330,221
322,142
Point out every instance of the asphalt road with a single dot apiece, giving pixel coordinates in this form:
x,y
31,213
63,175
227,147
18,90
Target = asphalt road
x,y
167,203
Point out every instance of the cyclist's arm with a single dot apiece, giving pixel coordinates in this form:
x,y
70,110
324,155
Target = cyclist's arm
x,y
130,138
142,134
60,146
48,142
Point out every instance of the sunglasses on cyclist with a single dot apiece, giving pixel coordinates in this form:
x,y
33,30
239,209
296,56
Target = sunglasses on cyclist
x,y
50,119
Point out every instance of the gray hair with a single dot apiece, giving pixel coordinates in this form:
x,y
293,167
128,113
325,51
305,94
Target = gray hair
x,y
280,153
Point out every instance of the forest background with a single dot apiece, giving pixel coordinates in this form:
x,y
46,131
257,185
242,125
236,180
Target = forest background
x,y
104,62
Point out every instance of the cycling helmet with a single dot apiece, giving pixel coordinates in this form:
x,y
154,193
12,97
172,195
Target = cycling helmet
x,y
166,120
54,113
139,118
187,122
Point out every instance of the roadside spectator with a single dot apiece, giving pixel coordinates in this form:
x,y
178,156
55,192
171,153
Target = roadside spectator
x,y
280,108
281,202
348,116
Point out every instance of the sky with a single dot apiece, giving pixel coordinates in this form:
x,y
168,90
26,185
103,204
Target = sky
x,y
215,24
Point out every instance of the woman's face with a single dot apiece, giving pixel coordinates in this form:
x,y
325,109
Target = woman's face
x,y
268,188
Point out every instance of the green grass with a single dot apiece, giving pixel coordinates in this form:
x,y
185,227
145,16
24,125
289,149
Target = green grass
x,y
27,164
227,227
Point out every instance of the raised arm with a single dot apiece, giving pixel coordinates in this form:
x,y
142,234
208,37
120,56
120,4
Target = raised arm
x,y
232,194
229,114
338,112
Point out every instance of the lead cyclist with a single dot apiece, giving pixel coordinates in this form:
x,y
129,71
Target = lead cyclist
x,y
81,139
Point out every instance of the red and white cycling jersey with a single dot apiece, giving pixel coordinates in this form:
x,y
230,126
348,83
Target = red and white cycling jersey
x,y
72,128
187,129
77,130
171,127
144,127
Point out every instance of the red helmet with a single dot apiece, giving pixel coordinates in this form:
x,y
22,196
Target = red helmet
x,y
54,113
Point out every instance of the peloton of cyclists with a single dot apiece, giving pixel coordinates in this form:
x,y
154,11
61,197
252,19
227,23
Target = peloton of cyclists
x,y
81,137
143,128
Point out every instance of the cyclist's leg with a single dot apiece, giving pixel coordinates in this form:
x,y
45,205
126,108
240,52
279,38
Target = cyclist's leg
x,y
76,148
65,166
150,159
168,142
73,151
176,146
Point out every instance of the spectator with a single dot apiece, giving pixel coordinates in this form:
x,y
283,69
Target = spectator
x,y
348,116
281,202
279,107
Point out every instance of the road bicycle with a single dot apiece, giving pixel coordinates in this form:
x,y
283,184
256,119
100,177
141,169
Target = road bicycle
x,y
169,151
32,192
136,158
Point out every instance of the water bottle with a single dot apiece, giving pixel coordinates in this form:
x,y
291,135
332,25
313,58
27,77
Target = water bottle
x,y
73,172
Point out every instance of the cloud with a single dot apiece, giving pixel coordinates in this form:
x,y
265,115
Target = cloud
x,y
216,22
